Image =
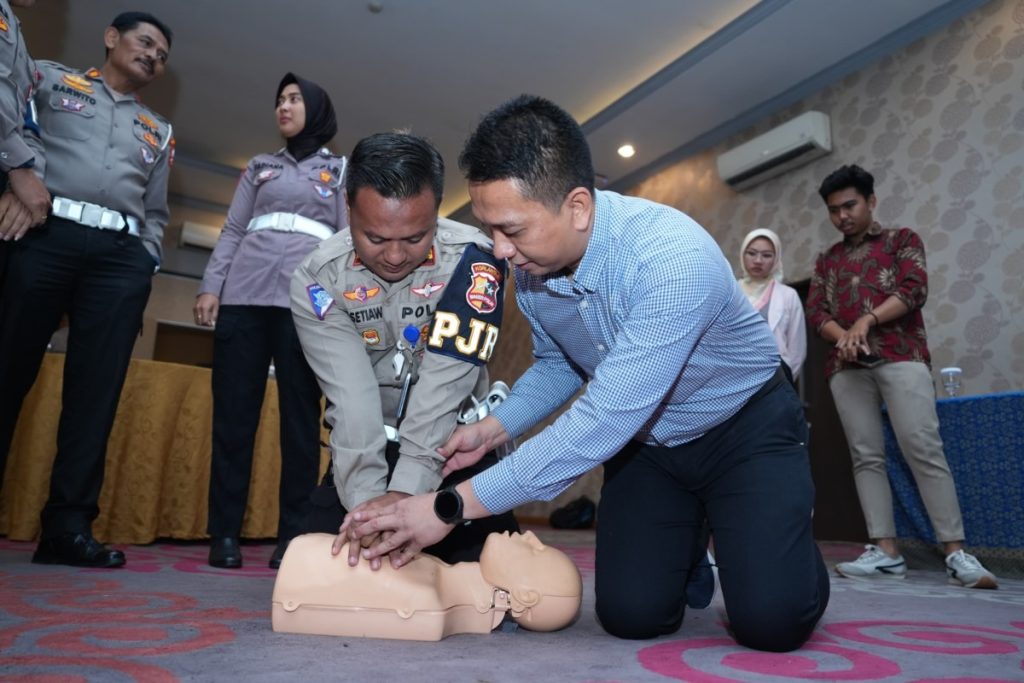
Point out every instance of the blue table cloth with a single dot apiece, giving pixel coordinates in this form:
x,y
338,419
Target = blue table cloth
x,y
984,442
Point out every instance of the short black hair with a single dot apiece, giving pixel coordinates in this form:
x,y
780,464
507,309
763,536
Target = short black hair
x,y
533,141
848,176
396,165
126,21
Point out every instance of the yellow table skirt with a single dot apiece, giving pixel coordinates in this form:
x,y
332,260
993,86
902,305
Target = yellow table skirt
x,y
158,458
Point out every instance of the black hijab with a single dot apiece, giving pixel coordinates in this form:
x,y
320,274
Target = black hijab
x,y
320,123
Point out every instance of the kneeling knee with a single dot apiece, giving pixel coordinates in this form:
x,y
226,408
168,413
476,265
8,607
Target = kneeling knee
x,y
634,622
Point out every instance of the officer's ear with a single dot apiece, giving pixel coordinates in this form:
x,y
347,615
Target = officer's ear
x,y
111,36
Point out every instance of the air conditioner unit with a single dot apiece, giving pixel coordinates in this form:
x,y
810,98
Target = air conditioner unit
x,y
794,143
198,235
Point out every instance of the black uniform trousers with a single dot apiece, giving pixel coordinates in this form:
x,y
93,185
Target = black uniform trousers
x,y
750,479
245,340
101,280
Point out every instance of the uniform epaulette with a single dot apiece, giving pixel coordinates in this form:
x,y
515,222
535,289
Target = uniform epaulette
x,y
453,232
332,248
57,66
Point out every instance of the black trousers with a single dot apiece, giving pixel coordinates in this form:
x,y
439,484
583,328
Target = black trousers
x,y
750,479
101,280
463,544
245,341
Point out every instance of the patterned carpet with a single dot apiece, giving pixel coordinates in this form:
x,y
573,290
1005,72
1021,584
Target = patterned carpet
x,y
167,616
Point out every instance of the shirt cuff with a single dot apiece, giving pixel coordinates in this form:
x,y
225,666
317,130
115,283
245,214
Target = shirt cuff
x,y
415,476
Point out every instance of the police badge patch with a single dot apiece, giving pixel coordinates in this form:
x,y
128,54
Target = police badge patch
x,y
320,299
483,292
147,155
324,192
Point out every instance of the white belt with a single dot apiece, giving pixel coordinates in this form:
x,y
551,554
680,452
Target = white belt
x,y
93,215
290,222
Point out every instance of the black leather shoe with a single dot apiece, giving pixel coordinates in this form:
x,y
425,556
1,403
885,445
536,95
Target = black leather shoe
x,y
275,559
77,550
225,553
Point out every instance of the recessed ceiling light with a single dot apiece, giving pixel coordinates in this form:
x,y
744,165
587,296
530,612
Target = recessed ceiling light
x,y
626,151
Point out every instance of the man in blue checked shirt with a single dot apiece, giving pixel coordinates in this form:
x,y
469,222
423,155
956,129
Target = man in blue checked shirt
x,y
686,403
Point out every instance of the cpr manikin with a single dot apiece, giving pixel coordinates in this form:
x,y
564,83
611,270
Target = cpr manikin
x,y
427,599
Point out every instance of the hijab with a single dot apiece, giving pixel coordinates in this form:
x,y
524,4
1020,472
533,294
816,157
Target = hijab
x,y
758,290
320,122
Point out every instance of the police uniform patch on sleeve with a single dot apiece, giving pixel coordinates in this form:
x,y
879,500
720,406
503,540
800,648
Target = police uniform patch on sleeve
x,y
320,300
468,316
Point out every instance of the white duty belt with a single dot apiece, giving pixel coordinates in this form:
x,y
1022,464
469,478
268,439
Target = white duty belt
x,y
290,222
93,215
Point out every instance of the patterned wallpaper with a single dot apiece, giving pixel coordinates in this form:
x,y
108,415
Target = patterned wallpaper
x,y
940,124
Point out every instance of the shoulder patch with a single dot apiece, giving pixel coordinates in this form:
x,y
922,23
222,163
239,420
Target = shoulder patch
x,y
468,315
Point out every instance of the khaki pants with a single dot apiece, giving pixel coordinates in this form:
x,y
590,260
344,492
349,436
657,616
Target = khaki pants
x,y
909,395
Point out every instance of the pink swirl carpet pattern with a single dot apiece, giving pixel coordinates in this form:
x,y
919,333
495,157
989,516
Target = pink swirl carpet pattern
x,y
167,616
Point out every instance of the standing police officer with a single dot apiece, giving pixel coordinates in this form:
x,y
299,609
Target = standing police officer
x,y
104,157
398,315
24,196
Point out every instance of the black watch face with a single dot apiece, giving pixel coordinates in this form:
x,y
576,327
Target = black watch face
x,y
446,505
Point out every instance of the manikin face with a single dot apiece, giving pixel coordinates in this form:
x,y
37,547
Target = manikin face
x,y
392,236
759,258
290,111
851,212
138,55
530,234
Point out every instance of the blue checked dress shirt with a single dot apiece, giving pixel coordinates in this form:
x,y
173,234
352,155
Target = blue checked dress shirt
x,y
656,326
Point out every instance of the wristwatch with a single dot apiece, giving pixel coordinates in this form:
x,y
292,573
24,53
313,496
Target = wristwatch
x,y
448,506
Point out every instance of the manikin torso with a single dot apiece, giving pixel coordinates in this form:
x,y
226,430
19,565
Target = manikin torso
x,y
318,593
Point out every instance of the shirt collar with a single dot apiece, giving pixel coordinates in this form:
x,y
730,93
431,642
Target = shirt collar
x,y
873,231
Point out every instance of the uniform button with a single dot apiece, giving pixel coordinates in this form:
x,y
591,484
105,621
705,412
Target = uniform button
x,y
348,240
600,347
446,234
583,304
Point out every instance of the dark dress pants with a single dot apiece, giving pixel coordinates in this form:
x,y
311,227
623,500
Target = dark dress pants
x,y
101,280
245,341
750,479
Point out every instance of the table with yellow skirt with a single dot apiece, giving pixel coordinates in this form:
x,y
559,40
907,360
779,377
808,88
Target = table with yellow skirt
x,y
158,458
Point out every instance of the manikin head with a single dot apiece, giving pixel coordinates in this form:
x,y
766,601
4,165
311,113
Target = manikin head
x,y
543,584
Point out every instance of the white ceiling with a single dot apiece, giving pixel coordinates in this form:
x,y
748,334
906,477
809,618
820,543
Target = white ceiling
x,y
668,76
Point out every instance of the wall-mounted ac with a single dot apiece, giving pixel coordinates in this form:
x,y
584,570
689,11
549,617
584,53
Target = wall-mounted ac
x,y
198,235
794,143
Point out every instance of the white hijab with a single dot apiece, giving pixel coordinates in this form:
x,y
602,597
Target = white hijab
x,y
755,288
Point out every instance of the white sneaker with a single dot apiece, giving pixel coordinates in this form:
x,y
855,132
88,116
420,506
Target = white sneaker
x,y
874,563
965,569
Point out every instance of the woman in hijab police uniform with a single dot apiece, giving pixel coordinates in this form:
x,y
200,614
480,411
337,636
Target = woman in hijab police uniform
x,y
285,204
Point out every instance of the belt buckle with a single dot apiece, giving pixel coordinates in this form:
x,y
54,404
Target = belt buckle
x,y
91,215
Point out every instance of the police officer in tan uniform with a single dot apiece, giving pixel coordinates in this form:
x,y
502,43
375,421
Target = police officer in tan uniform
x,y
104,157
24,196
398,316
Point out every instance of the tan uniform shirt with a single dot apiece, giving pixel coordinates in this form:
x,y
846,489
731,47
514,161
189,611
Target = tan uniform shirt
x,y
349,322
15,87
102,147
